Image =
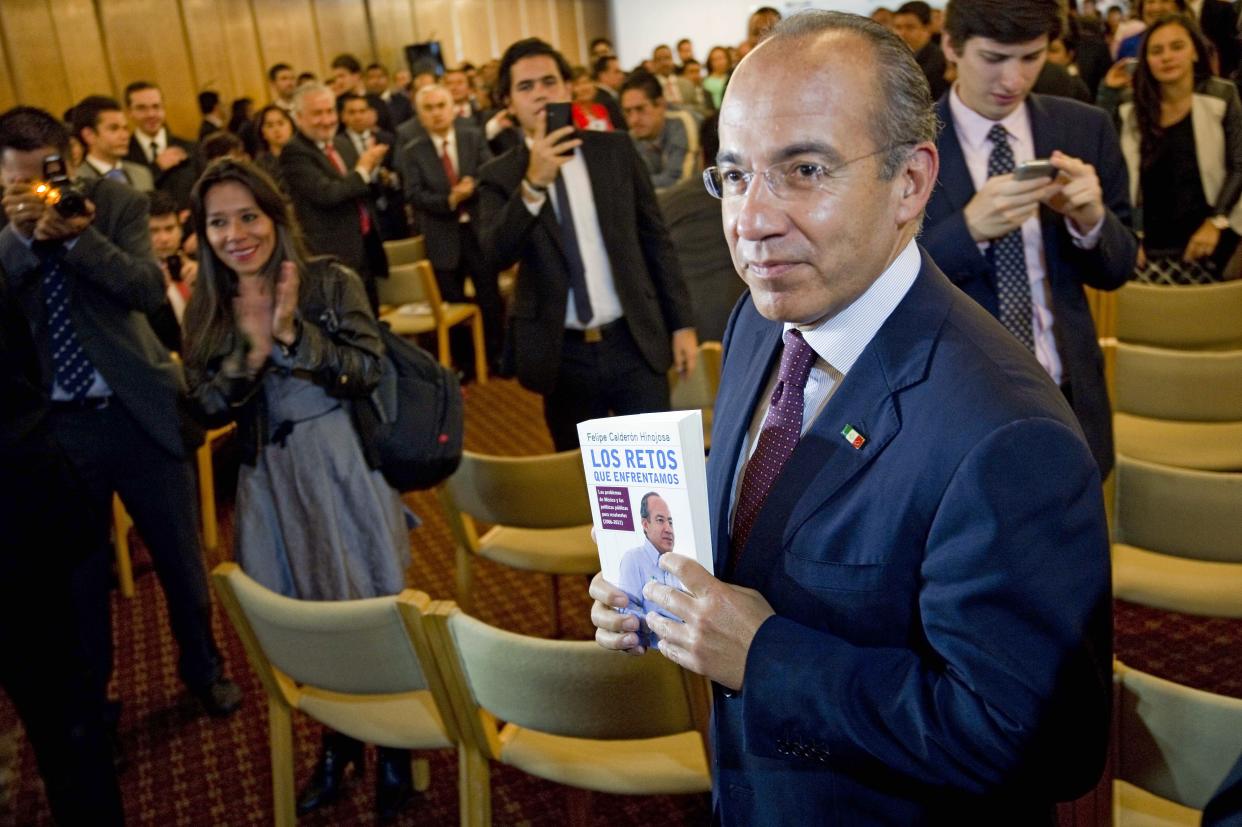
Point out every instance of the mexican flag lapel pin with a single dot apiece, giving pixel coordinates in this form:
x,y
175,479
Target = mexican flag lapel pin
x,y
853,437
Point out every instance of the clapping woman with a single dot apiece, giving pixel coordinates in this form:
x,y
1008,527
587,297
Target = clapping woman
x,y
286,346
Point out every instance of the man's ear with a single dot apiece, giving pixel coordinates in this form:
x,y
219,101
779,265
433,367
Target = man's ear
x,y
949,48
917,180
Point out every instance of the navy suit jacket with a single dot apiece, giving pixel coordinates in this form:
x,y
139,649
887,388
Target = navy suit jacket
x,y
1083,132
941,648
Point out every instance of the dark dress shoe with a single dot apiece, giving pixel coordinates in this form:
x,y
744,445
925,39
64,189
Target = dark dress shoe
x,y
394,783
328,781
220,698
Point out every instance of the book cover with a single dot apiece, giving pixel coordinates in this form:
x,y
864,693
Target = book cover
x,y
647,481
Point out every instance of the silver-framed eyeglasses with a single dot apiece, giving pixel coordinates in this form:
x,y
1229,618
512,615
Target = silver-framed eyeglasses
x,y
788,181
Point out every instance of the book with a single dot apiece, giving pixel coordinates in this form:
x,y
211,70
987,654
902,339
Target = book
x,y
647,482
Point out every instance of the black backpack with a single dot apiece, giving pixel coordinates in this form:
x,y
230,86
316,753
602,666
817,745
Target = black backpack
x,y
418,404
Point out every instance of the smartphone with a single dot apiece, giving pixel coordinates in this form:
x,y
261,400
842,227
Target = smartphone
x,y
1030,170
560,115
1131,66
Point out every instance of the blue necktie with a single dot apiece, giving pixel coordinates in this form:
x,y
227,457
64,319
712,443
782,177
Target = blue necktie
x,y
71,367
117,174
1013,288
573,254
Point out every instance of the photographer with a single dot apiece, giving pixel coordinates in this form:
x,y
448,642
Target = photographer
x,y
79,266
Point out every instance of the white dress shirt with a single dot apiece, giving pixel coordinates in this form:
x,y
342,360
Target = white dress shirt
x,y
160,139
838,341
972,134
605,303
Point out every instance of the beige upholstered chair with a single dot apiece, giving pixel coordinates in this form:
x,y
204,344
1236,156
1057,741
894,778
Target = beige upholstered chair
x,y
405,250
1174,746
1205,317
539,513
1181,408
574,713
1176,539
698,389
415,306
361,667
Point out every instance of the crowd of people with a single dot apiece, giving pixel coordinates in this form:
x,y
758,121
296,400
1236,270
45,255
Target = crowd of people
x,y
993,150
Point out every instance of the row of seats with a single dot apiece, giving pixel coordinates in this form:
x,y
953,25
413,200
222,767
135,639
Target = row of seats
x,y
409,672
1176,367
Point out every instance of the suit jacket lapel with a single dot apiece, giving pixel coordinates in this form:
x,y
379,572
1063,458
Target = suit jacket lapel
x,y
734,409
434,166
1046,139
955,177
824,461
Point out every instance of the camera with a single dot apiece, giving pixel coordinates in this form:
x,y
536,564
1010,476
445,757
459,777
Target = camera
x,y
60,191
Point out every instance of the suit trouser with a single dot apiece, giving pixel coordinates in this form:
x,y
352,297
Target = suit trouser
x,y
452,283
111,452
598,379
41,666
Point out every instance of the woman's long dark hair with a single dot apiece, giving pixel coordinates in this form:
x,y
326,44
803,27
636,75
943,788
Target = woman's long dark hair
x,y
1147,90
261,143
209,325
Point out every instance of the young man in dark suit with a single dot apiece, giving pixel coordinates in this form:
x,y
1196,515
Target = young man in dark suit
x,y
332,199
358,116
117,398
440,172
174,162
909,621
1024,249
600,311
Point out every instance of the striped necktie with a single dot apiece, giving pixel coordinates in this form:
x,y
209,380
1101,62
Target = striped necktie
x,y
71,367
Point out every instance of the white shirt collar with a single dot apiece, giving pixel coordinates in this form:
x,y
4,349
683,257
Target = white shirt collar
x,y
841,338
972,128
160,138
101,167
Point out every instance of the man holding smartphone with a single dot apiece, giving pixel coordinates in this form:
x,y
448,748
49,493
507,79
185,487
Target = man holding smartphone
x,y
600,311
1019,242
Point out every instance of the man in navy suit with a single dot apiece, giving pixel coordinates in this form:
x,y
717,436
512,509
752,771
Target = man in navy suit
x,y
1024,248
910,618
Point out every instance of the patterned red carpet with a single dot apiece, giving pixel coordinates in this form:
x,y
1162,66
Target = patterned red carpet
x,y
188,770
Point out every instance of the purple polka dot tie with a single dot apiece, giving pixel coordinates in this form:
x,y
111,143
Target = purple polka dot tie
x,y
782,428
1013,288
71,366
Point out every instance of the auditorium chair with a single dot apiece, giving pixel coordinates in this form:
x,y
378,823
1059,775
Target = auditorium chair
x,y
539,513
698,388
1176,540
405,250
360,667
411,304
573,712
1172,748
1178,407
1202,317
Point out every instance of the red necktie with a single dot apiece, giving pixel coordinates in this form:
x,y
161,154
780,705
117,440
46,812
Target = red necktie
x,y
364,217
449,171
782,428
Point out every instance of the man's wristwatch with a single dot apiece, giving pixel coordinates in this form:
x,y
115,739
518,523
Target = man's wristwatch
x,y
1220,222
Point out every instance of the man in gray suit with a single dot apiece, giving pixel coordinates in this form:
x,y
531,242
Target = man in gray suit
x,y
100,124
84,278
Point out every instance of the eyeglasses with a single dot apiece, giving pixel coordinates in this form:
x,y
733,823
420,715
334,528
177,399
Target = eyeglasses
x,y
788,181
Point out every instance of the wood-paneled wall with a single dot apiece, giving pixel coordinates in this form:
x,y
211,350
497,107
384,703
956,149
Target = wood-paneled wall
x,y
55,52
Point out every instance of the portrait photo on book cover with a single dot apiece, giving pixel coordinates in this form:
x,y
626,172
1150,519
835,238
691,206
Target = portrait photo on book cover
x,y
632,557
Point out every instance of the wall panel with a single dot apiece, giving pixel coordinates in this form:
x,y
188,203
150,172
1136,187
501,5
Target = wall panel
x,y
342,27
38,70
433,20
595,20
474,25
539,19
392,22
146,41
508,15
82,49
567,32
224,48
8,94
286,31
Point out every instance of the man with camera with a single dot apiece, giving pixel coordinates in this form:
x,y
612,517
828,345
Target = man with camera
x,y
78,262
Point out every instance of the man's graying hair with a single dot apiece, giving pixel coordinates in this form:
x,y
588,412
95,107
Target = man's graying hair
x,y
643,511
903,113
